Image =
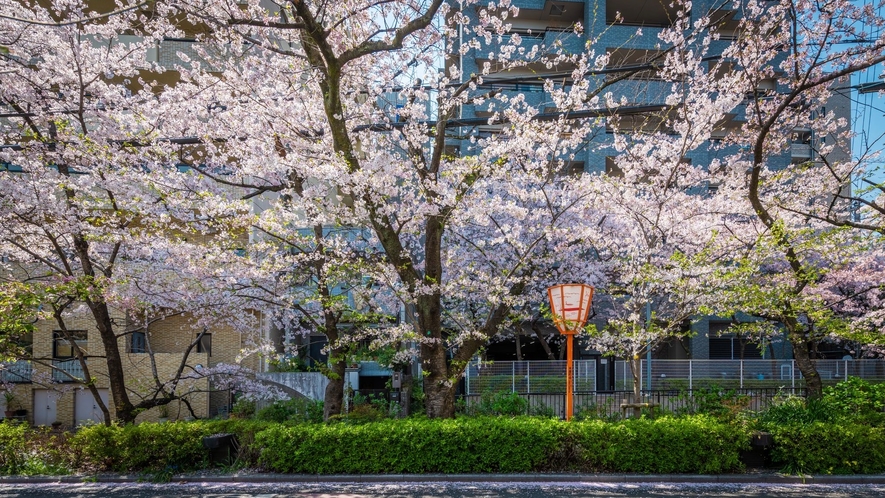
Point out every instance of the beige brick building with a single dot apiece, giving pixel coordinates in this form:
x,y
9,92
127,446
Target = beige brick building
x,y
46,387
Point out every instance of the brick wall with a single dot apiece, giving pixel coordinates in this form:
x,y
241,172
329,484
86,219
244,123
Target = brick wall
x,y
168,338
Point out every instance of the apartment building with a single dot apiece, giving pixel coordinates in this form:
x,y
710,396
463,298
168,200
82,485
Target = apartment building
x,y
628,31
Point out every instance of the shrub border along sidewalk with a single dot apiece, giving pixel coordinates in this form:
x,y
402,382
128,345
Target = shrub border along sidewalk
x,y
472,445
697,444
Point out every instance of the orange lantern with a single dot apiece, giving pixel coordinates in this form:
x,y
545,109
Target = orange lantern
x,y
570,304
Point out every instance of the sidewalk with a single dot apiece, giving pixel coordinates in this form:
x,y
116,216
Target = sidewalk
x,y
264,478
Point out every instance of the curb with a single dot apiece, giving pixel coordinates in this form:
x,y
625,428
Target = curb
x,y
466,478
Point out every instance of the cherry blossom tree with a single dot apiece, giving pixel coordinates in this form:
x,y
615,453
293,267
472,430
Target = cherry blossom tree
x,y
464,237
335,116
88,223
794,60
469,236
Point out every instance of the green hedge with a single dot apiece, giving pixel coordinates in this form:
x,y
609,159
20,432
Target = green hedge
x,y
696,444
411,446
147,446
826,448
158,447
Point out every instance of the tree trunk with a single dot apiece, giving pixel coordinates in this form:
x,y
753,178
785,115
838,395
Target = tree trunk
x,y
439,398
439,388
544,344
333,400
636,370
124,410
805,365
518,348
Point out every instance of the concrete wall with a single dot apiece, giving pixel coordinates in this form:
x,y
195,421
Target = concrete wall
x,y
310,384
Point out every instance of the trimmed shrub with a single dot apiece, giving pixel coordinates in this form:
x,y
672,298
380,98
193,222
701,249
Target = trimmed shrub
x,y
829,448
416,445
699,444
411,446
146,446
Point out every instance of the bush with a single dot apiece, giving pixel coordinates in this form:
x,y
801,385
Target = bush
x,y
821,447
699,444
849,402
796,410
508,404
26,451
412,446
593,411
243,408
13,444
297,410
146,446
498,403
855,397
716,401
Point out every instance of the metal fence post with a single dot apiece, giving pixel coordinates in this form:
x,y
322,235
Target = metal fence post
x,y
690,379
467,378
528,377
574,379
742,374
793,375
846,369
513,376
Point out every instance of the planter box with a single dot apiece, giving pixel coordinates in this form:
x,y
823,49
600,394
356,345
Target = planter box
x,y
759,454
222,448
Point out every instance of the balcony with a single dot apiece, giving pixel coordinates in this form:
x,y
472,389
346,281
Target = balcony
x,y
17,372
566,40
800,152
64,370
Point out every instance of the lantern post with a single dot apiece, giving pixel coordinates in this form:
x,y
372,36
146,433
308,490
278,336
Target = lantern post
x,y
570,304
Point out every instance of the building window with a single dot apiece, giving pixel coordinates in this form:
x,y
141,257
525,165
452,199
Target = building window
x,y
204,344
137,343
641,13
729,346
612,169
573,169
61,343
642,63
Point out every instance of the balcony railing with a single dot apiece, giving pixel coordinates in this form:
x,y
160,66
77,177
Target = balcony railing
x,y
800,151
567,40
64,370
16,372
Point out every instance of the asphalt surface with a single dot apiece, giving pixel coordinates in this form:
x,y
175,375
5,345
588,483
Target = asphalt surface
x,y
437,490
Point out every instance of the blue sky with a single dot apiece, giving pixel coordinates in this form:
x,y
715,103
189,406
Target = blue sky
x,y
868,111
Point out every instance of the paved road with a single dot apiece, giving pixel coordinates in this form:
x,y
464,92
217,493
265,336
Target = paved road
x,y
438,490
